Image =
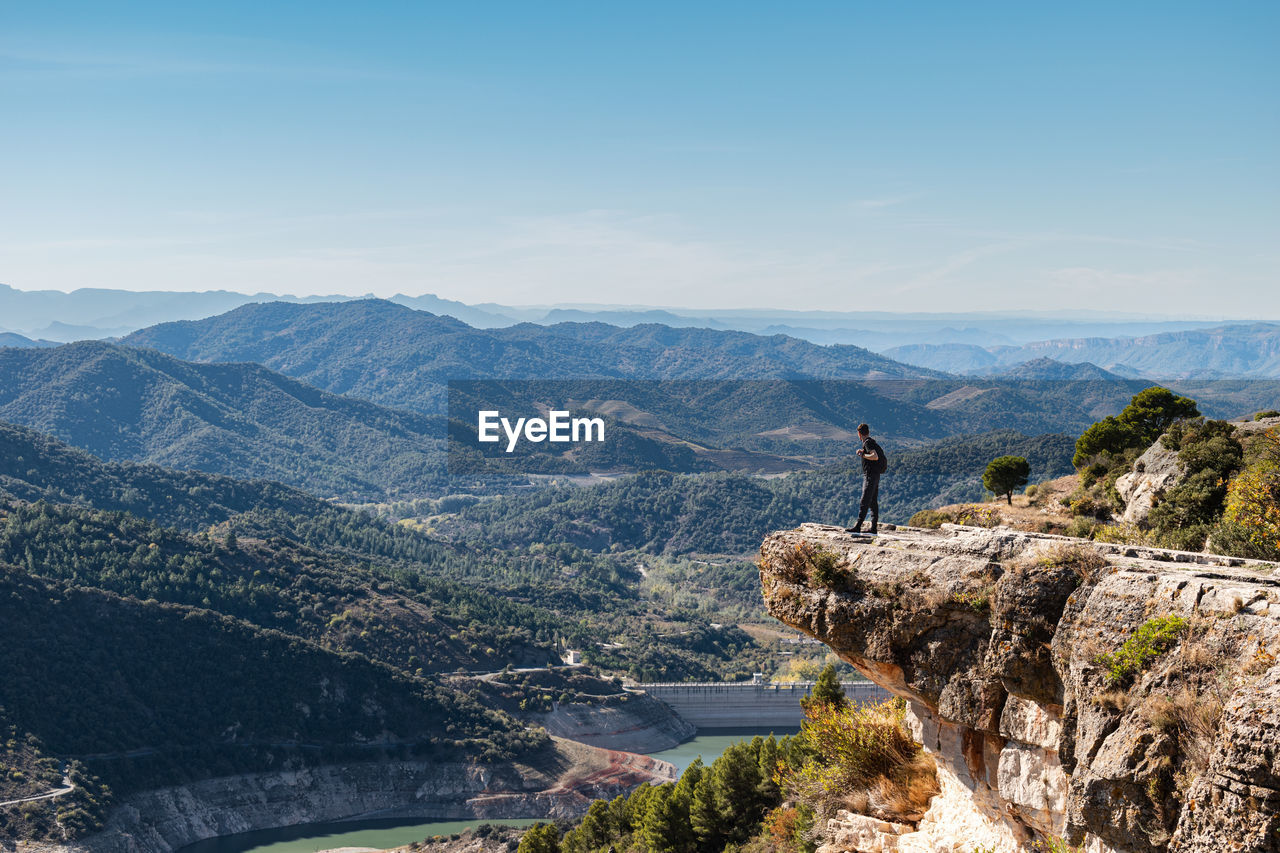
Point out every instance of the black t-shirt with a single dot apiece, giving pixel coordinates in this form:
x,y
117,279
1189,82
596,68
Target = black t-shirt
x,y
871,466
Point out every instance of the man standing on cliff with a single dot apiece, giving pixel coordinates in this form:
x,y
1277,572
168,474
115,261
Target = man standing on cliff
x,y
874,464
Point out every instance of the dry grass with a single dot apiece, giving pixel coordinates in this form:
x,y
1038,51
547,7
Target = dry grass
x,y
865,761
807,562
1083,560
1192,718
1040,512
1116,699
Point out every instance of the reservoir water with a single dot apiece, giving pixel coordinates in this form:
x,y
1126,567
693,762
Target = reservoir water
x,y
380,835
711,745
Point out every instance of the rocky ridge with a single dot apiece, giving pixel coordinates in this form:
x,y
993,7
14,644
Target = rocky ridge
x,y
1019,656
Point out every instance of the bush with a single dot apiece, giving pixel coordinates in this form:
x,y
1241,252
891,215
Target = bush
x,y
826,569
859,744
1082,527
976,515
861,757
1252,518
1269,413
1152,639
930,519
809,562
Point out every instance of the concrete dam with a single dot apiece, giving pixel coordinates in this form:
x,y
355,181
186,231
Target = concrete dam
x,y
747,704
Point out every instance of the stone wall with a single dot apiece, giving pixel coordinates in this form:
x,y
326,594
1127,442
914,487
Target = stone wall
x,y
741,705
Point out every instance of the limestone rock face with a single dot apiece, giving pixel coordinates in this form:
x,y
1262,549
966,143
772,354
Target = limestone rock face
x,y
849,831
998,640
1155,472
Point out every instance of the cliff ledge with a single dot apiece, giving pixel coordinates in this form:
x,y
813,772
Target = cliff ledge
x,y
1125,699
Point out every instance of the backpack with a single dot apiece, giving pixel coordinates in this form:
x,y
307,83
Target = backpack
x,y
882,462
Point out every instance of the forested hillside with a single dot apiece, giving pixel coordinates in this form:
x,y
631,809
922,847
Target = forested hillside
x,y
243,420
677,514
142,694
35,466
340,577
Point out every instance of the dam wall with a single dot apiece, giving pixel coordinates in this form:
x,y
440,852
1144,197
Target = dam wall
x,y
725,705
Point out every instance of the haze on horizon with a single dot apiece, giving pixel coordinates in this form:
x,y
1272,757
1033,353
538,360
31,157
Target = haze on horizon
x,y
837,156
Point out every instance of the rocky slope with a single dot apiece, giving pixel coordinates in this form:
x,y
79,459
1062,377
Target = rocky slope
x,y
1125,699
561,784
589,709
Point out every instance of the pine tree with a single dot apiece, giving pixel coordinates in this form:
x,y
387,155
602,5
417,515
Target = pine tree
x,y
769,792
540,838
596,830
662,822
1006,474
826,690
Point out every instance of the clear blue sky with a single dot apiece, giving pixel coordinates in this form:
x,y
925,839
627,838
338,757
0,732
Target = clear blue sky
x,y
846,155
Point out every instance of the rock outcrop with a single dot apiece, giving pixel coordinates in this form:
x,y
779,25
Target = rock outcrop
x,y
643,724
560,783
1005,645
598,711
1154,473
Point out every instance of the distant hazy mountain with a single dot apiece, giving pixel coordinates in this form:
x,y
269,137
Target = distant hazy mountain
x,y
1239,350
1235,350
397,356
123,403
93,313
96,313
874,330
469,314
1048,369
10,339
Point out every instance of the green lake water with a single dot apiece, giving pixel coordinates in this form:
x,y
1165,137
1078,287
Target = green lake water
x,y
381,834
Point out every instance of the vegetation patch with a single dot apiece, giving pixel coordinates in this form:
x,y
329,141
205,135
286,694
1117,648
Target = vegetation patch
x,y
807,561
978,600
1191,718
1152,639
1083,560
862,758
1251,521
969,515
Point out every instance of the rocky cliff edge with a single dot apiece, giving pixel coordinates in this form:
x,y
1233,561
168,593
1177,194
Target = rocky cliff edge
x,y
1123,699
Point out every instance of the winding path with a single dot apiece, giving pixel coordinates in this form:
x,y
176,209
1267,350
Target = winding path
x,y
67,787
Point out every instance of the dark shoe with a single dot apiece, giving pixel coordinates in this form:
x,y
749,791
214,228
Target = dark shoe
x,y
872,531
857,529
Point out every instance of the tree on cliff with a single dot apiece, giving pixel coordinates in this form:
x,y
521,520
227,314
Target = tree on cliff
x,y
826,690
1154,410
1005,475
1149,413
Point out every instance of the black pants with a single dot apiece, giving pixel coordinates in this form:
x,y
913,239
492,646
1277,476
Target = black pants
x,y
870,497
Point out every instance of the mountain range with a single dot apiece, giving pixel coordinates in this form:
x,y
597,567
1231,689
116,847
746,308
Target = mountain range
x,y
397,356
1247,350
124,403
350,399
100,313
